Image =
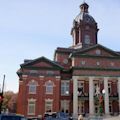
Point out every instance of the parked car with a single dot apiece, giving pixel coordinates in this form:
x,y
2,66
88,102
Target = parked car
x,y
50,115
57,116
11,117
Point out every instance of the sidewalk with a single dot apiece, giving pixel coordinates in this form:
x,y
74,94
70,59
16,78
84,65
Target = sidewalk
x,y
112,118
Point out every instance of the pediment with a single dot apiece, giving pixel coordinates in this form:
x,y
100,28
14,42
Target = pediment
x,y
41,62
97,50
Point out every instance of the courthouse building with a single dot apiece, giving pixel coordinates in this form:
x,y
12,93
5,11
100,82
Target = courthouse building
x,y
82,79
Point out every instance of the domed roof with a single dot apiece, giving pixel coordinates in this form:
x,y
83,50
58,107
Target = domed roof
x,y
84,15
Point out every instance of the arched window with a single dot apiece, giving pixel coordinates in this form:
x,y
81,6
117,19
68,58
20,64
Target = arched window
x,y
87,39
49,87
32,87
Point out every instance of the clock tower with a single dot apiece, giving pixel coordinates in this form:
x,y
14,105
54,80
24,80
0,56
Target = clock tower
x,y
84,30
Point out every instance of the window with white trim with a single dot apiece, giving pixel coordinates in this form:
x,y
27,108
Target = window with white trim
x,y
80,87
65,105
83,62
87,39
49,87
32,87
65,87
96,87
109,87
48,105
31,107
110,107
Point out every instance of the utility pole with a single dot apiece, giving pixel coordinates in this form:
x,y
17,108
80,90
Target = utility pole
x,y
1,94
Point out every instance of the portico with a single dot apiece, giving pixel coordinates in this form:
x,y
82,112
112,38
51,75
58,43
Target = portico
x,y
92,80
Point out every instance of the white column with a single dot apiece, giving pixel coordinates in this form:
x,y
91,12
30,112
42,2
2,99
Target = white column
x,y
75,97
74,37
119,92
106,98
91,96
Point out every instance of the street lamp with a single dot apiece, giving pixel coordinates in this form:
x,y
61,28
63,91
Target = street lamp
x,y
103,91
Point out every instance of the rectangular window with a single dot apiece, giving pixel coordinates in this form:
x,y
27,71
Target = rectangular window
x,y
32,89
110,107
96,88
80,88
65,105
49,87
65,88
48,105
109,87
31,107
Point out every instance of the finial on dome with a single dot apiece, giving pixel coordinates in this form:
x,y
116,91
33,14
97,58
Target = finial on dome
x,y
84,7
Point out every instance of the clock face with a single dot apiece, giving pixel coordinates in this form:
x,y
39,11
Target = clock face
x,y
87,39
98,52
65,61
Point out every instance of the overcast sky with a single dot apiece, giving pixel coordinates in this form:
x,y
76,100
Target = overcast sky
x,y
33,28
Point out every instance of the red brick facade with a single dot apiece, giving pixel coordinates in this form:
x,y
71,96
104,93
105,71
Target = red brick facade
x,y
82,59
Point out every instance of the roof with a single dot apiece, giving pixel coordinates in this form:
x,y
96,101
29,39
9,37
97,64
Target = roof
x,y
31,62
84,15
93,47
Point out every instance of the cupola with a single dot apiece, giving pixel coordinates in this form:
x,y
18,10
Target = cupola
x,y
84,30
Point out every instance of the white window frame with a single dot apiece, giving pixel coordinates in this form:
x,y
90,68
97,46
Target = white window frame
x,y
110,106
32,87
33,105
87,39
81,85
65,86
82,107
96,83
109,88
65,105
49,86
50,105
